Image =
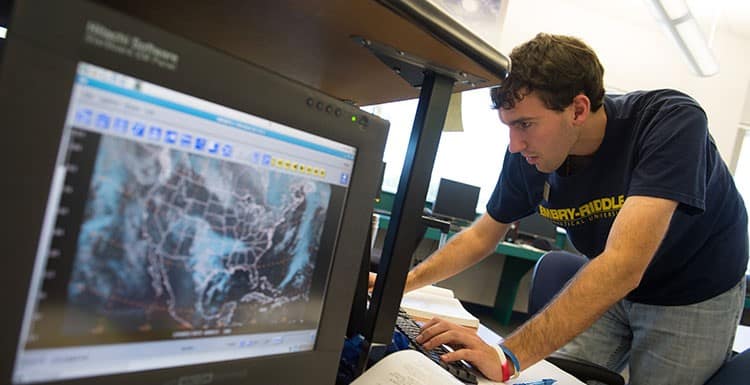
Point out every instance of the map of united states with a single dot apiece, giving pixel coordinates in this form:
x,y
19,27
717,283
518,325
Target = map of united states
x,y
172,240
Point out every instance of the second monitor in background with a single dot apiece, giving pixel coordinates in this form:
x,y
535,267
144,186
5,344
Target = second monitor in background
x,y
536,231
456,201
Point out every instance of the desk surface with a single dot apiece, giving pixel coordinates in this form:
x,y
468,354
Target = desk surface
x,y
742,339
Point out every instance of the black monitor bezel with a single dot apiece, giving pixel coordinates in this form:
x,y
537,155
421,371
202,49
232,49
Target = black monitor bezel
x,y
39,68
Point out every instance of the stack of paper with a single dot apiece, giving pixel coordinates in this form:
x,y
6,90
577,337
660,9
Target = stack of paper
x,y
432,301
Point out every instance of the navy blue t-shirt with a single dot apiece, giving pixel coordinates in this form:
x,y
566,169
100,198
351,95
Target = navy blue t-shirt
x,y
656,144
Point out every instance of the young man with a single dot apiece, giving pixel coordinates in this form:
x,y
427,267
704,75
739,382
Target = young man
x,y
637,182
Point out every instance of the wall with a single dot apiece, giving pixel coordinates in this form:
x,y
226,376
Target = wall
x,y
638,54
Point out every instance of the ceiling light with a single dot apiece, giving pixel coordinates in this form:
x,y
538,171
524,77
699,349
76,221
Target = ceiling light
x,y
3,32
675,9
679,21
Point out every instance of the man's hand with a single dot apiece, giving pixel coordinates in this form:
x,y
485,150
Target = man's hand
x,y
466,344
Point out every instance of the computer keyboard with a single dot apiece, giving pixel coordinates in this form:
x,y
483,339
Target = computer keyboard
x,y
411,329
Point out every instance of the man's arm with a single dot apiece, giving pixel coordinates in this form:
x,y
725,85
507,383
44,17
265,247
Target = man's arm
x,y
463,250
635,236
633,240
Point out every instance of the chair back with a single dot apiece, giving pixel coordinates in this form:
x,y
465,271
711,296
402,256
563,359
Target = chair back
x,y
551,272
736,371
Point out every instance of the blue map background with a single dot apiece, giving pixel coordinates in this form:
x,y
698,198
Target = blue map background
x,y
172,240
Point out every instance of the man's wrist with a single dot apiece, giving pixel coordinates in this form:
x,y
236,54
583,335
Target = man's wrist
x,y
513,360
504,366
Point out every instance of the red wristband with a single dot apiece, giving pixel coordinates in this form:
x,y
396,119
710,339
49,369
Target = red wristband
x,y
504,364
506,371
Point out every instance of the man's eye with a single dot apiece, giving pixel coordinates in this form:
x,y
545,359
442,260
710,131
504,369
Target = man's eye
x,y
524,125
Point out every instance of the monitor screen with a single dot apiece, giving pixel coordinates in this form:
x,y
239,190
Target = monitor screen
x,y
177,232
456,200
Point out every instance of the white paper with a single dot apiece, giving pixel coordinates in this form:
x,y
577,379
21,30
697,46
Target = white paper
x,y
424,305
544,369
741,339
406,367
434,290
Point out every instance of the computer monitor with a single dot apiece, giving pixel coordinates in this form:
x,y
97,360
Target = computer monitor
x,y
534,230
173,215
456,200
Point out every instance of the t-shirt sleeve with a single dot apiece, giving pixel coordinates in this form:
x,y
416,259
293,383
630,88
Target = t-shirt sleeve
x,y
510,200
671,157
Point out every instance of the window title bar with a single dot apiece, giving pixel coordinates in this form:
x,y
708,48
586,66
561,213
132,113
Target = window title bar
x,y
129,87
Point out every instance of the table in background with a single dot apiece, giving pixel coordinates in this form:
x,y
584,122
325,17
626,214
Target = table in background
x,y
519,259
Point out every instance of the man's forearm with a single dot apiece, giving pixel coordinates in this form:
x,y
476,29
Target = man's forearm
x,y
453,258
575,309
635,236
463,250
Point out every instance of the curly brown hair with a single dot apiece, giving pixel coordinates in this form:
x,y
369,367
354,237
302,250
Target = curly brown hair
x,y
557,68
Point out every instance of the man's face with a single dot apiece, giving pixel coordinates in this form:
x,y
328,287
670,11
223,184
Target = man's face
x,y
543,136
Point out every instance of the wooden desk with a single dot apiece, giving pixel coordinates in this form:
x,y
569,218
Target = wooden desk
x,y
518,261
312,41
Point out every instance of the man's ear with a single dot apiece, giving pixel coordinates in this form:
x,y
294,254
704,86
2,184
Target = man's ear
x,y
581,108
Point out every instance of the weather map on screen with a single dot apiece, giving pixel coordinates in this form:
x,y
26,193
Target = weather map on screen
x,y
181,230
172,240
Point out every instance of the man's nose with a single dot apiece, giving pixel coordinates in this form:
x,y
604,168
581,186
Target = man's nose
x,y
517,141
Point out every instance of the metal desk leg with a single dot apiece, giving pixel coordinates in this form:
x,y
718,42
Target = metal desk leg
x,y
443,240
513,270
